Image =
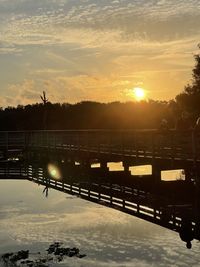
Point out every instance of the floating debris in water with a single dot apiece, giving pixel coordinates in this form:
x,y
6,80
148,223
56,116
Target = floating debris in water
x,y
55,253
57,249
14,257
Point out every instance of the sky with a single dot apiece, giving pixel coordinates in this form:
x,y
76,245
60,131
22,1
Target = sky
x,y
96,50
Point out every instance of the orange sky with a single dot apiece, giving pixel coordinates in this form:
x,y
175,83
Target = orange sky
x,y
96,50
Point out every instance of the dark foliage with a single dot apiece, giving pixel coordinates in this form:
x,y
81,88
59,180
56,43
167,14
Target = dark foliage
x,y
189,99
87,115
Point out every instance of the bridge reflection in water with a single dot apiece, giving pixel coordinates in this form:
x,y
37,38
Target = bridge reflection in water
x,y
64,160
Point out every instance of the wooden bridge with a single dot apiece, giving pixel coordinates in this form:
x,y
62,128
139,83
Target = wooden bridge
x,y
174,205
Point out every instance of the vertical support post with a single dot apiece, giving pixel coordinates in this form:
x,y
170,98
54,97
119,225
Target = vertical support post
x,y
156,172
55,140
187,172
79,190
154,213
195,137
88,141
122,142
173,149
70,141
138,207
126,168
89,189
6,170
47,136
99,193
71,188
98,141
78,142
103,166
7,145
153,145
109,143
111,193
61,139
136,146
123,196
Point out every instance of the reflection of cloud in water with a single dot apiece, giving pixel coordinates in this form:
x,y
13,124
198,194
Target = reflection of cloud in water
x,y
108,237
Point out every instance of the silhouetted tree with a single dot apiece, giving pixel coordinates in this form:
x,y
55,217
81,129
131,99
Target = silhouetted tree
x,y
43,97
45,101
87,115
189,99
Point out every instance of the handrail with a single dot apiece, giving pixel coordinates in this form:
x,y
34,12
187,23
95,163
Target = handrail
x,y
153,130
150,143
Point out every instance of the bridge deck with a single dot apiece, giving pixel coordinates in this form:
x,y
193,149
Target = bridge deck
x,y
172,147
149,145
138,201
166,149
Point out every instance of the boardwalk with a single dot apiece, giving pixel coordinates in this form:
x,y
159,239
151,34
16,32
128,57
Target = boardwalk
x,y
168,204
164,151
132,200
147,144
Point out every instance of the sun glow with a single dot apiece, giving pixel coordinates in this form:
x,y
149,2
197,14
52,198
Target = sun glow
x,y
139,93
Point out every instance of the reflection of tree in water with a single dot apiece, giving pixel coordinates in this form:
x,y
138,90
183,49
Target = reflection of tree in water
x,y
186,232
55,253
46,191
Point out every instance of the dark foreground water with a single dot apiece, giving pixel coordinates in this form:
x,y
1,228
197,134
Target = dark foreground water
x,y
28,220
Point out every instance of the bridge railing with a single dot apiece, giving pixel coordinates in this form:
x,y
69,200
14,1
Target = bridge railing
x,y
129,200
172,144
10,140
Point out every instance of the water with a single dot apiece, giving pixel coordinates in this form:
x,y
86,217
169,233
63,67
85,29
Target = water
x,y
108,237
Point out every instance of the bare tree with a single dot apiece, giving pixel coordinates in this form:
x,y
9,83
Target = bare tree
x,y
45,101
44,98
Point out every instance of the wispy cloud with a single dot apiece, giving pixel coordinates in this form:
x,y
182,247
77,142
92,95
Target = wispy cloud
x,y
72,41
41,22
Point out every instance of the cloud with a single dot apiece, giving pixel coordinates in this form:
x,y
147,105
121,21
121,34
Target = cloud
x,y
63,22
9,50
72,75
66,43
22,93
42,22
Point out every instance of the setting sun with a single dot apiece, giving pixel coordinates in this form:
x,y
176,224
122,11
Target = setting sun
x,y
139,93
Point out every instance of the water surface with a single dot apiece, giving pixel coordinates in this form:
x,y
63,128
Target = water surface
x,y
108,237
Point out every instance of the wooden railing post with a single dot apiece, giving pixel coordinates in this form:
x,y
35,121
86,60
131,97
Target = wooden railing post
x,y
111,193
7,144
153,145
98,141
173,149
194,147
99,195
78,145
109,143
122,142
136,146
123,197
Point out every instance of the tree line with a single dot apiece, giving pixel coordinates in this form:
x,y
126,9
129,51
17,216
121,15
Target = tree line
x,y
115,115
